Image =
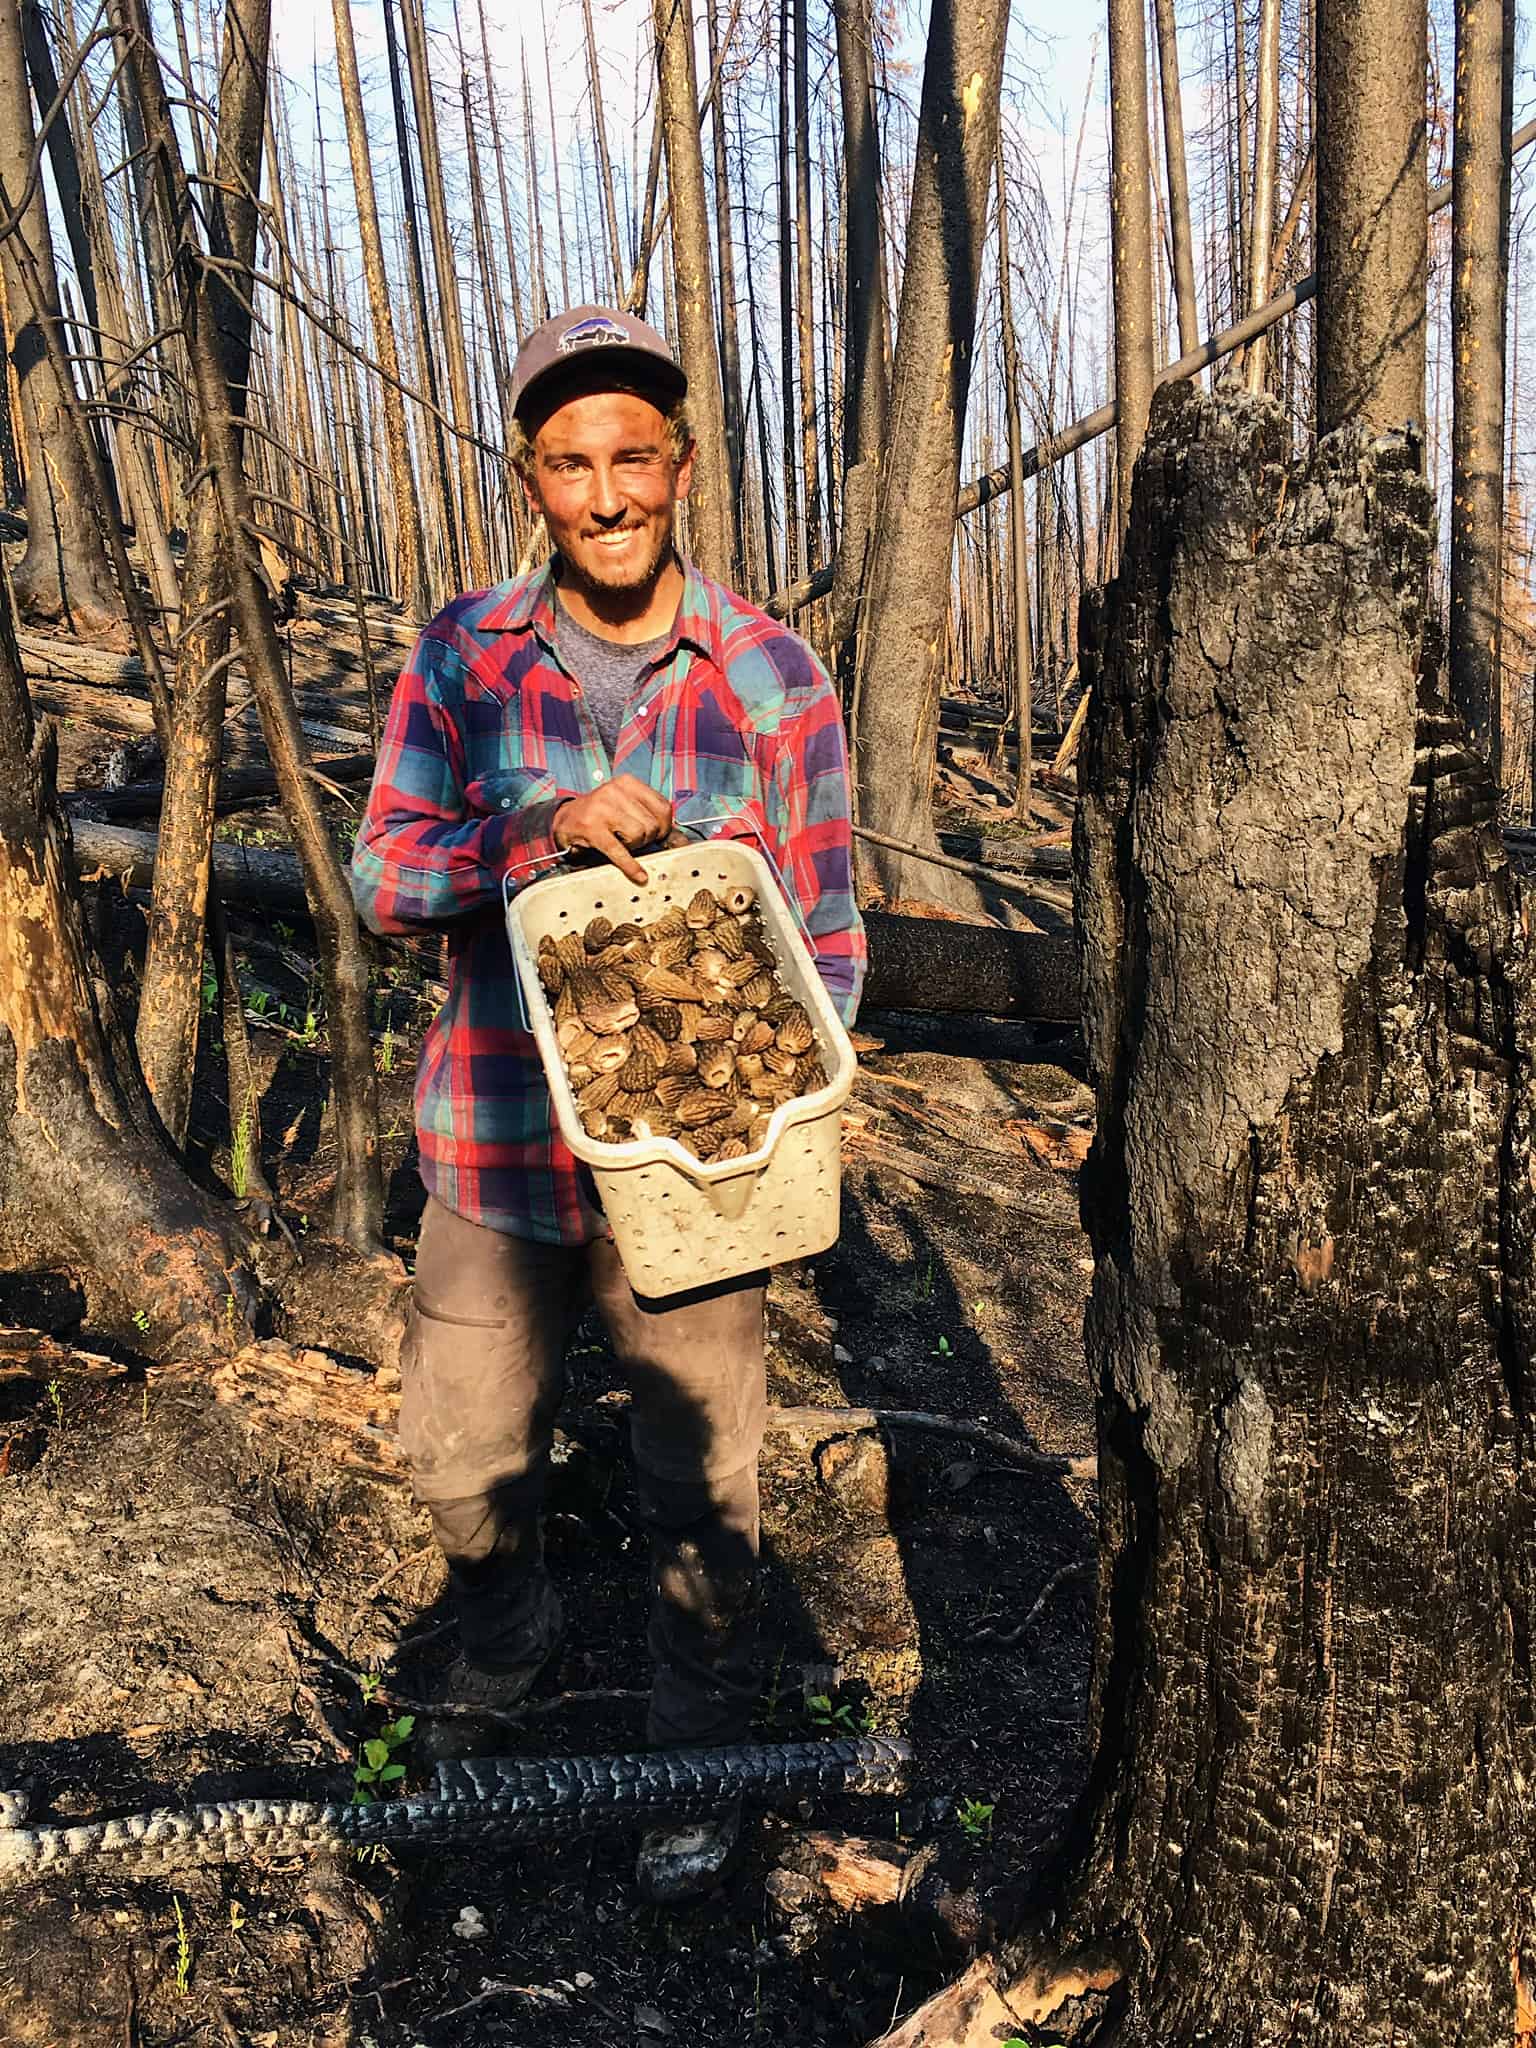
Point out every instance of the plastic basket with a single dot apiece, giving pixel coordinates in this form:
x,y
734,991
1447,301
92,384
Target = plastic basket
x,y
678,1222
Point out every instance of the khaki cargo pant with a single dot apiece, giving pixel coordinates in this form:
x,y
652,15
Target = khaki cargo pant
x,y
482,1376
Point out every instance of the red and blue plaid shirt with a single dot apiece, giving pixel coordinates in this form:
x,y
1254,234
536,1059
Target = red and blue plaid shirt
x,y
487,735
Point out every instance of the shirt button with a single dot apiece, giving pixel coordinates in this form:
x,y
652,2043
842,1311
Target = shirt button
x,y
597,776
506,803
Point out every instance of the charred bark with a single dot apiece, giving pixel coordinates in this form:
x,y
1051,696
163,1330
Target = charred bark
x,y
866,373
86,1183
1372,245
896,711
1485,33
709,515
1308,1005
63,574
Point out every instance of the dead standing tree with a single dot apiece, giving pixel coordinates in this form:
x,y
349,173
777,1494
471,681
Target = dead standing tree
x,y
1312,1313
1485,32
709,513
907,595
1130,239
63,575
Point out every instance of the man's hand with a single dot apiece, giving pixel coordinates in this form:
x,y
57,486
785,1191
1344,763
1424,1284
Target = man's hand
x,y
615,817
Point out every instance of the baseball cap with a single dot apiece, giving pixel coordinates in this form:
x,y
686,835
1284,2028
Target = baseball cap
x,y
594,348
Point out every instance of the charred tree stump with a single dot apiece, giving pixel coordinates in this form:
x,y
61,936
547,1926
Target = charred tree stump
x,y
87,1184
1308,1008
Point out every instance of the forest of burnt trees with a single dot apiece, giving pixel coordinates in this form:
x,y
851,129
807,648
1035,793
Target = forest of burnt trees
x,y
1169,441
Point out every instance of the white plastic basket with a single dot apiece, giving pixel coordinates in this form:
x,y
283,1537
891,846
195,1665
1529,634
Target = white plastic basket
x,y
678,1222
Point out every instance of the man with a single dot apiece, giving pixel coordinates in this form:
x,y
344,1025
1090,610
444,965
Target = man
x,y
593,706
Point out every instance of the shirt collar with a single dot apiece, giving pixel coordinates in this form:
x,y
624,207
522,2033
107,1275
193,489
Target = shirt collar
x,y
529,601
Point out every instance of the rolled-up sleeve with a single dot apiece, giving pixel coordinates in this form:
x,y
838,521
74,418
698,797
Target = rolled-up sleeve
x,y
426,853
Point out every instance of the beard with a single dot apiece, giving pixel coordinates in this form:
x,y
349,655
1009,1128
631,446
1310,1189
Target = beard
x,y
638,571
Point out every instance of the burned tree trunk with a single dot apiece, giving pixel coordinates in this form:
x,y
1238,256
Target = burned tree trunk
x,y
1372,245
1308,1004
1485,33
63,575
709,515
86,1185
907,595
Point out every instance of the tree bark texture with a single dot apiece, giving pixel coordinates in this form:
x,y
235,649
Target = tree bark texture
x,y
1130,239
709,512
1371,233
1485,32
1178,178
1266,157
409,544
63,574
1308,1008
359,1198
86,1184
895,715
866,372
170,1006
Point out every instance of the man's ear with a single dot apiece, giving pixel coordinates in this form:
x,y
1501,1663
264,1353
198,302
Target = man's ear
x,y
685,470
530,496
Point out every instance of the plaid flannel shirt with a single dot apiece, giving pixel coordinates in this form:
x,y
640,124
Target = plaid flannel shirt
x,y
487,735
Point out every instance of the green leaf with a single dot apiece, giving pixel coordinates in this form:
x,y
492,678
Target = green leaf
x,y
819,1703
377,1752
403,1727
390,1773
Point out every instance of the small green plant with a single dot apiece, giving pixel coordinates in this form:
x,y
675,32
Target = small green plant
x,y
843,1717
309,1037
261,1002
943,1349
209,988
56,1401
386,1052
240,1157
923,1290
183,1951
141,1320
369,1685
975,1818
236,1916
378,1764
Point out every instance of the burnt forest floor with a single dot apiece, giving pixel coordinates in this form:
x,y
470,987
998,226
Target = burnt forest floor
x,y
191,1600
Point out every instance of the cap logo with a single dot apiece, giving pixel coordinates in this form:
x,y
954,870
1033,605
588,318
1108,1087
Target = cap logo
x,y
597,332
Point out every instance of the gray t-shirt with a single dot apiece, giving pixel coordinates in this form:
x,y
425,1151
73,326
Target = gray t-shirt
x,y
607,670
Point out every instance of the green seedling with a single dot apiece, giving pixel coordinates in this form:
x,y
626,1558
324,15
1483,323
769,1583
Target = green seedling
x,y
843,1718
141,1320
923,1291
369,1685
386,1052
236,1916
309,1037
183,1951
56,1401
975,1818
943,1349
209,989
261,1002
378,1764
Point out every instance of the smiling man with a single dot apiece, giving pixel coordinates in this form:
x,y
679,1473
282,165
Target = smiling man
x,y
596,706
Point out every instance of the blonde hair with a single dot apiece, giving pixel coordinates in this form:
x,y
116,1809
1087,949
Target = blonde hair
x,y
679,433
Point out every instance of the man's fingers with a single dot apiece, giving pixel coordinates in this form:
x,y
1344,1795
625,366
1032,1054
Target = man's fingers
x,y
657,808
613,847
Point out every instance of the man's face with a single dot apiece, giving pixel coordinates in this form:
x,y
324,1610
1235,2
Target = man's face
x,y
608,487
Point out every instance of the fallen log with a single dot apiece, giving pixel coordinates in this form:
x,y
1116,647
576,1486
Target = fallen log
x,y
237,788
916,963
245,874
921,963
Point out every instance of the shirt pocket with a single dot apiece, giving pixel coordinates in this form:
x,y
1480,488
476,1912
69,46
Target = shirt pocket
x,y
509,789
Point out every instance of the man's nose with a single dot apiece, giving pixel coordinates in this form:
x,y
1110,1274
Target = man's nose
x,y
607,500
